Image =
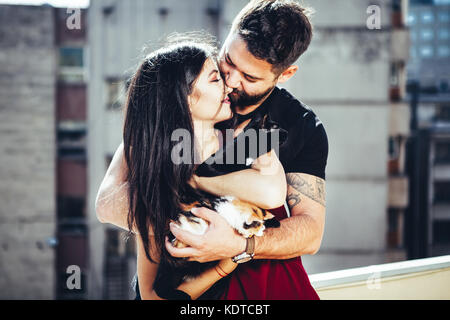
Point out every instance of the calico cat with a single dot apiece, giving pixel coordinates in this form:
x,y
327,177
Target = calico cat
x,y
246,218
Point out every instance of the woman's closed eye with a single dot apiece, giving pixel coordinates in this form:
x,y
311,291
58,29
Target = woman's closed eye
x,y
215,76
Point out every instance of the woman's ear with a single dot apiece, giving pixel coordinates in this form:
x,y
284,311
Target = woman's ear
x,y
287,74
192,100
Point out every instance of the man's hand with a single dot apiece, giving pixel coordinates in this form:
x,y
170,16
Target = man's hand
x,y
219,242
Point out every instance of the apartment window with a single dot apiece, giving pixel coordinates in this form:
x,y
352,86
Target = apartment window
x,y
443,34
442,153
427,17
443,17
441,2
71,57
116,92
426,52
71,64
442,192
443,86
412,19
71,207
443,51
427,35
72,140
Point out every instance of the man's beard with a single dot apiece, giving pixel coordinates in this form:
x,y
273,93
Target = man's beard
x,y
242,99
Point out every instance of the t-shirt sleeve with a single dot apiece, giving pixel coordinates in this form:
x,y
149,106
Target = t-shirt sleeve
x,y
312,158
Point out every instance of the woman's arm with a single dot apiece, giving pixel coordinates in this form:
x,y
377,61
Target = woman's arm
x,y
194,288
146,270
111,204
263,185
198,286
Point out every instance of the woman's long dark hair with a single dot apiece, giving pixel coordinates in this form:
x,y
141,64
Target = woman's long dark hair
x,y
157,104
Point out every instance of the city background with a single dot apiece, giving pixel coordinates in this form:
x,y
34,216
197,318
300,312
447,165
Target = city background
x,y
382,94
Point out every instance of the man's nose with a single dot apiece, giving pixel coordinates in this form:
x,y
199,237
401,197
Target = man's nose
x,y
232,79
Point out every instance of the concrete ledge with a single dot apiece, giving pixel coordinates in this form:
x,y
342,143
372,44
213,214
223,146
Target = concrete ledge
x,y
416,279
383,270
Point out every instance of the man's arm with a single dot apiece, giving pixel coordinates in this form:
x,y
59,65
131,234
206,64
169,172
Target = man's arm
x,y
111,204
298,235
301,233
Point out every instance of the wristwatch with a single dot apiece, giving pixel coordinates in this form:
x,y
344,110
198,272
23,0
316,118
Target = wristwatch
x,y
249,252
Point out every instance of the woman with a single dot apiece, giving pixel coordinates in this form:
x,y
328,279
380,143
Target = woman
x,y
176,87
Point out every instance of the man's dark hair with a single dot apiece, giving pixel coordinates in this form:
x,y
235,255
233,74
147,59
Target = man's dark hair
x,y
277,31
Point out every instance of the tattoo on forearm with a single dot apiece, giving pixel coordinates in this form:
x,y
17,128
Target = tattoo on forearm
x,y
293,199
313,188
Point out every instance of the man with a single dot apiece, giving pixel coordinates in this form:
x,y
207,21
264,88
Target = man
x,y
266,39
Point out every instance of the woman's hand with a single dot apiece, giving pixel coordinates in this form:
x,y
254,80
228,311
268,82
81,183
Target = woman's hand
x,y
268,164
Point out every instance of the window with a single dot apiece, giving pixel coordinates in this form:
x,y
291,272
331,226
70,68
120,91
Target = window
x,y
411,19
427,34
71,64
442,153
443,86
72,140
443,17
426,52
441,2
71,57
71,207
443,51
443,34
427,17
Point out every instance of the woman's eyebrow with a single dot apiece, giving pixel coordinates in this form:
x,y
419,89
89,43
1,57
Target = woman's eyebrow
x,y
214,71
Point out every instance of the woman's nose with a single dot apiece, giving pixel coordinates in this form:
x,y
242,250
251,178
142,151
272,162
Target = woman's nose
x,y
228,89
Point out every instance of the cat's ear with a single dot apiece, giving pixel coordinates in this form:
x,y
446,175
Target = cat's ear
x,y
268,216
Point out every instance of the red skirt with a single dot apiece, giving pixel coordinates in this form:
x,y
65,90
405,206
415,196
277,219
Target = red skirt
x,y
270,279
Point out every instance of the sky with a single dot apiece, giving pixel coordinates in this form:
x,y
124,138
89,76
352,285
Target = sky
x,y
55,3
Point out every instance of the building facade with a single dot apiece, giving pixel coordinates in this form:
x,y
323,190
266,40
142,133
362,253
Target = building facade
x,y
27,147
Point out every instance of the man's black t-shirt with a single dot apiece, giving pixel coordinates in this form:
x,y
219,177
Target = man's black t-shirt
x,y
306,148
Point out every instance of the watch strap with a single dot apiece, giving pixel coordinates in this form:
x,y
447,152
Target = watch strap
x,y
250,247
